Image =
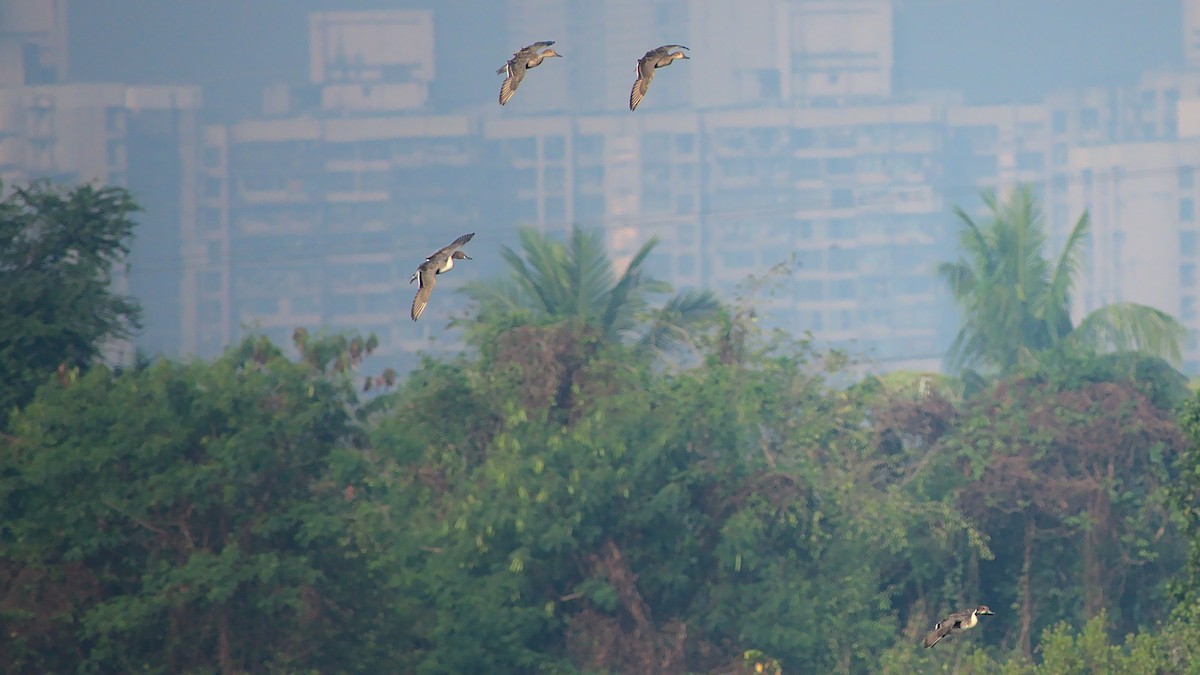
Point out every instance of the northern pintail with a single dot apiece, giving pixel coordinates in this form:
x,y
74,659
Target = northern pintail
x,y
522,60
956,623
655,58
441,261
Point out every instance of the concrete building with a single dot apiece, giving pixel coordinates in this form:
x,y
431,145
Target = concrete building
x,y
790,147
140,137
858,195
33,42
316,215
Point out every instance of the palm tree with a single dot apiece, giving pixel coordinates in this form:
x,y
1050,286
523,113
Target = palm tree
x,y
1016,304
552,282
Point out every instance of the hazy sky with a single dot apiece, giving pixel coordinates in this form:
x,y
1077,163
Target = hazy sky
x,y
987,49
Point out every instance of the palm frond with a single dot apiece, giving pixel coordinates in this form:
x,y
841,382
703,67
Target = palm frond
x,y
621,301
1055,306
590,272
677,321
1129,326
959,278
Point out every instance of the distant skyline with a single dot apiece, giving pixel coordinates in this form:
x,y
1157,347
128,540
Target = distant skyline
x,y
842,130
1017,50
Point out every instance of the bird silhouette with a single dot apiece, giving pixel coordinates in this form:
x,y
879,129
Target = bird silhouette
x,y
439,262
654,59
956,623
521,61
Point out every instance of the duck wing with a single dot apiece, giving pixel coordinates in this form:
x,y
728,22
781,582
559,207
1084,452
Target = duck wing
x,y
454,245
943,628
516,73
428,277
645,73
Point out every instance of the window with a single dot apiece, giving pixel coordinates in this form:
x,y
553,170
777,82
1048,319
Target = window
x,y
1089,119
808,289
656,201
589,206
212,156
521,149
1187,275
1058,121
553,147
839,166
556,210
209,220
1187,243
656,144
842,198
808,259
525,211
806,168
555,179
1187,210
1059,154
841,260
840,228
1030,161
768,83
589,145
1187,177
1187,308
842,289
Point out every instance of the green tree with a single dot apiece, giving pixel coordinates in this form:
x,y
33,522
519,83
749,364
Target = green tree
x,y
1063,475
198,517
646,521
1016,303
58,251
551,282
1185,493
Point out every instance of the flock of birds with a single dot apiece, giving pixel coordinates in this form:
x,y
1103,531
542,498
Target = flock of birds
x,y
533,55
522,60
443,259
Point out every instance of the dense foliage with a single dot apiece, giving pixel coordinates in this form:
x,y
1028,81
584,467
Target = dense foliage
x,y
561,502
59,250
562,505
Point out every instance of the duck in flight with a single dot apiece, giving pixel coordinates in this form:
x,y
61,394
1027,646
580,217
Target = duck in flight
x,y
655,58
522,60
441,261
956,623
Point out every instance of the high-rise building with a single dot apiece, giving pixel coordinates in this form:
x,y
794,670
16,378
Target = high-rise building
x,y
316,216
33,42
139,137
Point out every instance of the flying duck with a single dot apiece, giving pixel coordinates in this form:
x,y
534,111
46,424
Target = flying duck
x,y
655,58
441,261
956,623
522,60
